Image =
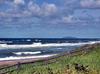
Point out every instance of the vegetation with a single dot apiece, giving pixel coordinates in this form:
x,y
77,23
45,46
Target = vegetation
x,y
84,62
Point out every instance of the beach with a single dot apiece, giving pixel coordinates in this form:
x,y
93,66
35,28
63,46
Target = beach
x,y
24,60
29,59
13,62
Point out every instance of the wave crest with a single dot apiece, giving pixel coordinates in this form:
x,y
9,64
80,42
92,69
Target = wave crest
x,y
36,45
26,53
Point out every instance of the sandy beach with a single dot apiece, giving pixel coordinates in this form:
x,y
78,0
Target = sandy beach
x,y
24,60
13,62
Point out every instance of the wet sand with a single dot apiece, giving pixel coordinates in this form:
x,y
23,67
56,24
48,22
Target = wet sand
x,y
13,62
28,59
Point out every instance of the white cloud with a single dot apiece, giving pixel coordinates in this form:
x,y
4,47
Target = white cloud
x,y
90,3
61,14
45,9
19,2
12,15
34,8
67,19
62,20
49,9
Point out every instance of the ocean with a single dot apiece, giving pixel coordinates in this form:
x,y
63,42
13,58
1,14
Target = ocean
x,y
23,48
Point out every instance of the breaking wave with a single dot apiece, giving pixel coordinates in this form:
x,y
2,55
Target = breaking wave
x,y
29,54
37,45
26,53
23,58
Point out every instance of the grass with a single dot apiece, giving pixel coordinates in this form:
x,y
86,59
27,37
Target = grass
x,y
92,59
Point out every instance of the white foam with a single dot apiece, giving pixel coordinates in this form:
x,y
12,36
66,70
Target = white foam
x,y
38,45
28,39
28,57
31,53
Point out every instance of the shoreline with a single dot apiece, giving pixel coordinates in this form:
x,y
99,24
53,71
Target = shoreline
x,y
25,60
85,49
12,58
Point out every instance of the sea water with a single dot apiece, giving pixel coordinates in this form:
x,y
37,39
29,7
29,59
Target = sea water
x,y
23,48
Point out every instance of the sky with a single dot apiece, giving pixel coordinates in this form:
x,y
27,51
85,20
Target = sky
x,y
49,18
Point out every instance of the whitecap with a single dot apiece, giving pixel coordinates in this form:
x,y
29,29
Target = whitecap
x,y
39,45
27,53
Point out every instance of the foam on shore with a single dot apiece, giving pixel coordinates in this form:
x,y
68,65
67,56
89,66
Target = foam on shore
x,y
27,57
26,53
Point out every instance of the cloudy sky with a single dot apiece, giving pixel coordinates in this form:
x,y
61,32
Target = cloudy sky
x,y
49,18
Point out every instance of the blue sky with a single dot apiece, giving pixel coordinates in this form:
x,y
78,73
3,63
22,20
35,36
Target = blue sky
x,y
49,18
